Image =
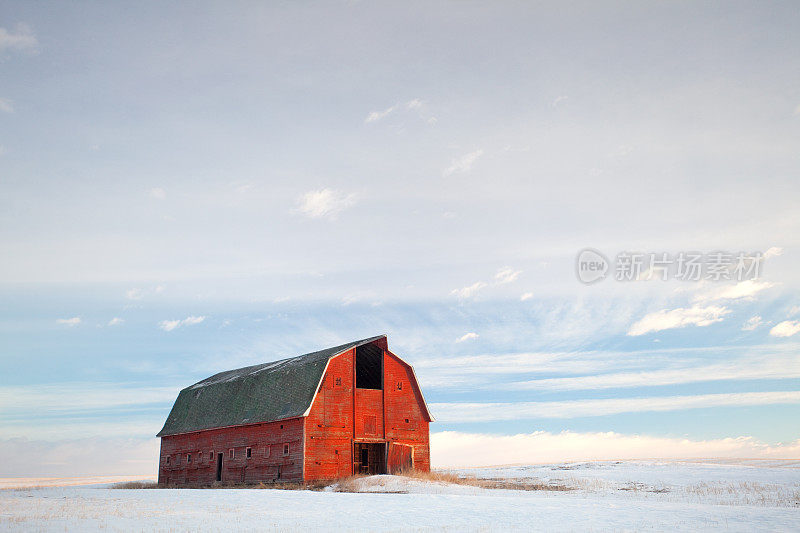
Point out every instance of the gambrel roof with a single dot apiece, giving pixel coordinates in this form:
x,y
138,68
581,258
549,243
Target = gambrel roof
x,y
260,393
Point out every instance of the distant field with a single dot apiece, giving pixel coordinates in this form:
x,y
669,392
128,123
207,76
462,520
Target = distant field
x,y
39,482
606,495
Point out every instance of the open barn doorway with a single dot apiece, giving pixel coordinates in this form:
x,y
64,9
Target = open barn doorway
x,y
369,458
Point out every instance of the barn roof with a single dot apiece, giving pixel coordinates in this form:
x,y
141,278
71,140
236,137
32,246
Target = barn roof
x,y
260,393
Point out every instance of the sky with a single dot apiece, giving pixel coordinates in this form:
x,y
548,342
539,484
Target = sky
x,y
199,186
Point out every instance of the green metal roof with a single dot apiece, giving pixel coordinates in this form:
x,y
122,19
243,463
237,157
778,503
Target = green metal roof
x,y
260,393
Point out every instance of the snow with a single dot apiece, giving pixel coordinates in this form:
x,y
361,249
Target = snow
x,y
624,496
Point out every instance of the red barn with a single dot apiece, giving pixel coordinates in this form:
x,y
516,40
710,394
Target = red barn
x,y
354,408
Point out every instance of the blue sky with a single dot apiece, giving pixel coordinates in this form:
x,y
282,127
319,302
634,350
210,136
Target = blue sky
x,y
190,188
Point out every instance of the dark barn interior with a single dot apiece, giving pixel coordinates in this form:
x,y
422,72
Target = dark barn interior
x,y
369,457
369,367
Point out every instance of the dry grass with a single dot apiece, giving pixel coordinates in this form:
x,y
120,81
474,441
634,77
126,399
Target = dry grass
x,y
484,483
352,483
136,485
348,484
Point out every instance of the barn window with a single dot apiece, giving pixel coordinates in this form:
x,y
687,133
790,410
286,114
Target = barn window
x,y
281,426
249,452
188,458
338,381
266,451
406,420
211,455
167,458
369,367
230,453
285,450
399,385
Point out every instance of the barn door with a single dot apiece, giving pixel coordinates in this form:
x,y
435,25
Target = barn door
x,y
400,458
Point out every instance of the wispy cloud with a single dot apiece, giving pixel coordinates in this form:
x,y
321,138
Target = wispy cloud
x,y
411,105
678,318
752,323
20,38
169,325
486,412
375,116
506,275
467,336
325,203
116,321
607,369
773,366
462,164
787,328
134,294
74,321
746,290
158,193
6,106
470,291
526,296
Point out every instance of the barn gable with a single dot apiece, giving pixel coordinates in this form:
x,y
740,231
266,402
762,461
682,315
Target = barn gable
x,y
260,393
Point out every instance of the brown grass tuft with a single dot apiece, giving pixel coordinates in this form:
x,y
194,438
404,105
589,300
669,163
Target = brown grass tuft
x,y
443,476
136,485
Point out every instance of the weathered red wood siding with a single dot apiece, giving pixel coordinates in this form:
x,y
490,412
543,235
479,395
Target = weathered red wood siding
x,y
329,424
266,442
406,422
340,414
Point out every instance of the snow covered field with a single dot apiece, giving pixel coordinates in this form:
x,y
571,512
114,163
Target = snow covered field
x,y
629,496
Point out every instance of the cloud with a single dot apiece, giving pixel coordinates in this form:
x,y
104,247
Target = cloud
x,y
469,292
325,203
752,323
742,290
467,336
787,328
450,449
678,318
773,252
134,294
116,321
772,366
6,106
487,412
74,321
158,193
559,100
411,105
169,325
375,116
21,38
506,275
463,163
526,296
